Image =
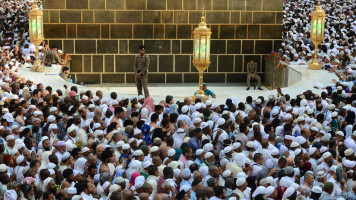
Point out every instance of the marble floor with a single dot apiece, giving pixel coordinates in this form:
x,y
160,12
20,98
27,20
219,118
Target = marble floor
x,y
179,91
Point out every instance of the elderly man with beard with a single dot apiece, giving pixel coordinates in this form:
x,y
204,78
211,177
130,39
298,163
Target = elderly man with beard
x,y
328,161
100,137
46,146
60,150
36,129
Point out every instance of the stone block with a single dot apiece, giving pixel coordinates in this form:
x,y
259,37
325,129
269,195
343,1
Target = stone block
x,y
68,46
113,78
174,78
234,78
87,63
166,63
253,5
181,17
271,31
109,63
237,5
273,5
71,16
45,16
279,18
238,63
235,17
194,17
97,4
277,45
115,4
220,4
104,16
176,47
85,46
157,78
167,17
217,17
204,4
213,64
77,4
226,63
125,63
246,17
143,31
158,31
214,31
158,46
108,47
241,31
72,31
121,31
189,4
184,32
248,46
76,64
214,77
191,78
88,16
54,4
182,63
98,63
54,30
54,16
253,31
88,78
130,78
134,46
187,46
227,31
264,18
105,31
174,4
153,63
123,47
170,31
128,17
136,5
234,46
263,46
156,4
151,17
88,31
218,47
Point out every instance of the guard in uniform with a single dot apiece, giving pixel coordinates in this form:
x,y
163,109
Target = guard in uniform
x,y
51,57
142,62
251,74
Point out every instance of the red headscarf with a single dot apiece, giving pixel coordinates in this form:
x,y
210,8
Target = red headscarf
x,y
149,105
133,177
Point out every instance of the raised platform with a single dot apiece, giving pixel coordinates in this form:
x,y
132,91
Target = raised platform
x,y
179,91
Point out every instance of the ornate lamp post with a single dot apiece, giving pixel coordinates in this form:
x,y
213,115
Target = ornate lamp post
x,y
36,32
201,56
317,33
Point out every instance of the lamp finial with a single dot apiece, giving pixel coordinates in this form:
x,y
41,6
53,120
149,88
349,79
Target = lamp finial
x,y
202,17
319,3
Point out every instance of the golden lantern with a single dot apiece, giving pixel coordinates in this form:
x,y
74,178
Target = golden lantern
x,y
201,54
36,32
317,33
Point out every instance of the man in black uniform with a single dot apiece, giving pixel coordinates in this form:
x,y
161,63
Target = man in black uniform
x,y
142,62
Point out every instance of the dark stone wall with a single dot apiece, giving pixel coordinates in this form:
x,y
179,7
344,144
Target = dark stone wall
x,y
103,36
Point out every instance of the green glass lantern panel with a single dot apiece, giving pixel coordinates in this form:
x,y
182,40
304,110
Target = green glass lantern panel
x,y
314,26
208,47
319,27
203,48
34,27
39,26
196,48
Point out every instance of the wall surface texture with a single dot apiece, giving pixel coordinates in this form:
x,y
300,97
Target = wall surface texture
x,y
103,36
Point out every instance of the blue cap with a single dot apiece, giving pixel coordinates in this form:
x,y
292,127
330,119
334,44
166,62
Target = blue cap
x,y
145,128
